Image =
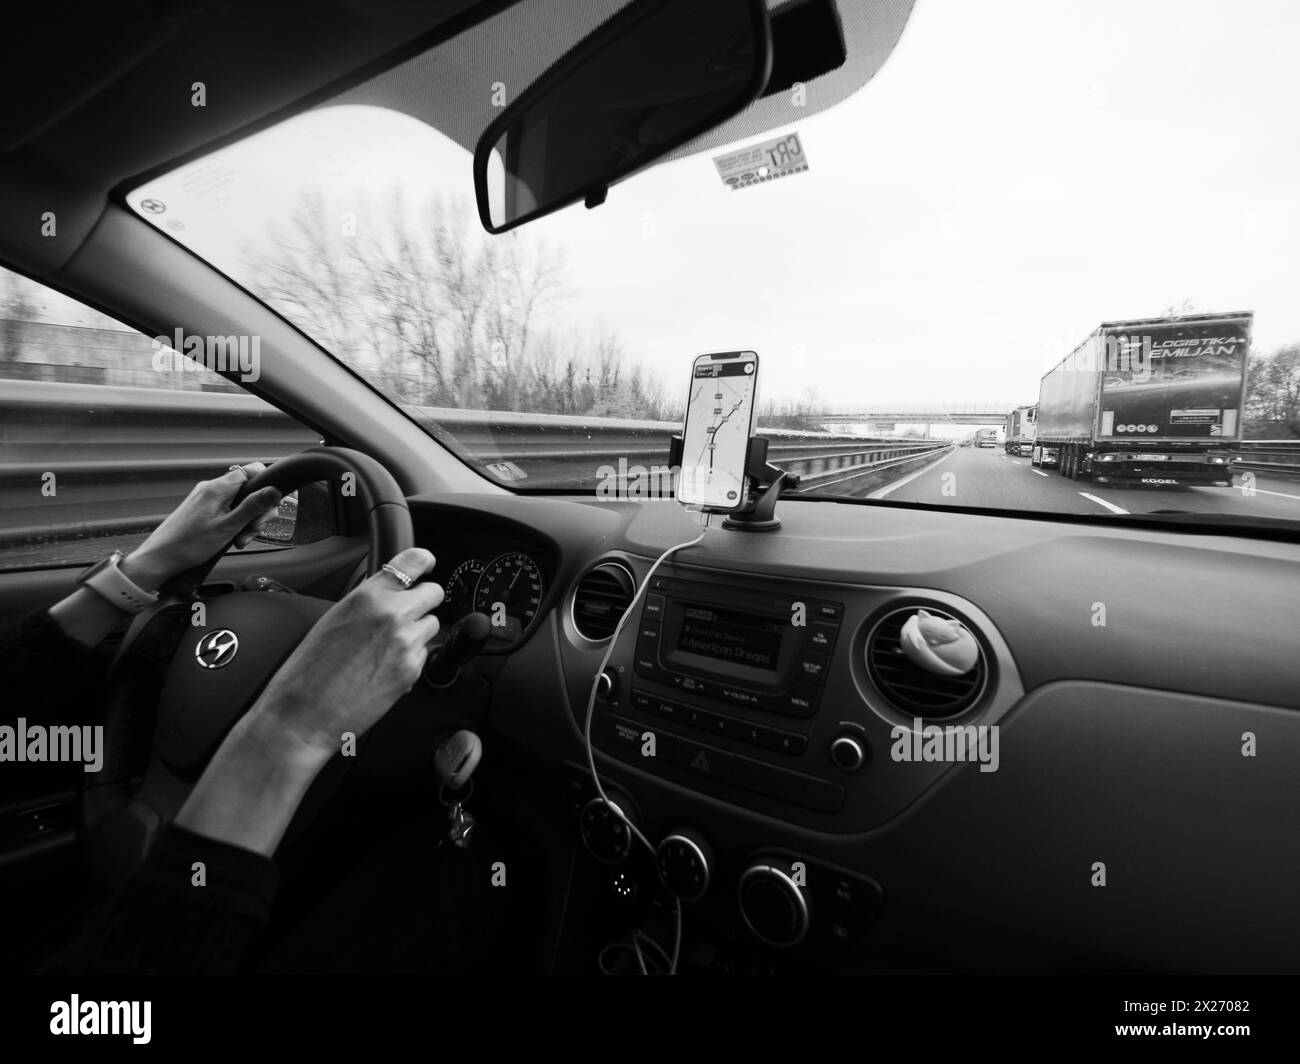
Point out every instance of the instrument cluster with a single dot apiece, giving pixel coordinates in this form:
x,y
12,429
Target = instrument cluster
x,y
508,587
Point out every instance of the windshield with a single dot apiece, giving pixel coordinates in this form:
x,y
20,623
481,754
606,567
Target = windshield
x,y
1027,266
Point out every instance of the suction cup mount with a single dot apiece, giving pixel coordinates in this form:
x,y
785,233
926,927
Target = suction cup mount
x,y
766,482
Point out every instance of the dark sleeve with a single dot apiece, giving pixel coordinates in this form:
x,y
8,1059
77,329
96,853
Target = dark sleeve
x,y
41,665
163,922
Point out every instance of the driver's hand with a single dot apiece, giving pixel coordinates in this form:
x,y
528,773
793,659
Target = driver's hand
x,y
359,659
201,526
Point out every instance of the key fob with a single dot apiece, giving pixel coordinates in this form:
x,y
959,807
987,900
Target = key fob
x,y
457,757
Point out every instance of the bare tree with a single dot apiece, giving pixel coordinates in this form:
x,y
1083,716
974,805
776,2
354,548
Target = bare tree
x,y
438,315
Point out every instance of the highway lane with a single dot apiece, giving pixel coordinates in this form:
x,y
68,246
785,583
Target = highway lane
x,y
971,476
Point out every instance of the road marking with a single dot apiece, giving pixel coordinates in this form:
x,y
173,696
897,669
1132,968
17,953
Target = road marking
x,y
1279,494
1015,461
880,493
1038,472
1102,502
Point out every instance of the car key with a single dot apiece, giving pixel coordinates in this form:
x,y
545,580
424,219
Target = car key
x,y
460,820
456,758
454,762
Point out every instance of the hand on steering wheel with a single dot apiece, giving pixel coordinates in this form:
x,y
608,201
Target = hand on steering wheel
x,y
360,658
206,521
254,693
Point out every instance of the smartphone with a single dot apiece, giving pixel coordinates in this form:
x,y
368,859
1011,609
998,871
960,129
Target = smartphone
x,y
719,422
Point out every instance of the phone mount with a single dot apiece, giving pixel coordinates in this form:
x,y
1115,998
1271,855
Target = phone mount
x,y
766,483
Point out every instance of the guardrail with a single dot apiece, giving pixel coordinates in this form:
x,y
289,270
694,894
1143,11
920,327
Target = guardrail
x,y
862,471
80,461
1270,456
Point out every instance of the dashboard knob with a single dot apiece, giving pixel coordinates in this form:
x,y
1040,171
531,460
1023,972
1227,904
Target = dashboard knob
x,y
685,864
605,833
848,753
605,684
772,904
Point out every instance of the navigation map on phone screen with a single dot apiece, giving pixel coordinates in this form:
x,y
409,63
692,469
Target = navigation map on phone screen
x,y
719,422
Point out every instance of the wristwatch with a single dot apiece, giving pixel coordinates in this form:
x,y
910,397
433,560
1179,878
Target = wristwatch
x,y
106,578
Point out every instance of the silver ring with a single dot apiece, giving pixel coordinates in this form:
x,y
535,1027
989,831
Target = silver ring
x,y
392,570
242,470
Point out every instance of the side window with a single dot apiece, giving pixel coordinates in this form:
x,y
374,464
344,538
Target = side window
x,y
104,430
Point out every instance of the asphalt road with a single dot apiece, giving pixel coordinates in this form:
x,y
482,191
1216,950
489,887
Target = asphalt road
x,y
989,477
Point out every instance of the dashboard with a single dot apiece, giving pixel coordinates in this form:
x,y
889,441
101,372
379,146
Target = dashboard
x,y
755,708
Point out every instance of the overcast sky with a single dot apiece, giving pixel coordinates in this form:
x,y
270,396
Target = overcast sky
x,y
1018,172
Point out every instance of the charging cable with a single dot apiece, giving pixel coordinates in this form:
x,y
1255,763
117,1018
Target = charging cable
x,y
591,708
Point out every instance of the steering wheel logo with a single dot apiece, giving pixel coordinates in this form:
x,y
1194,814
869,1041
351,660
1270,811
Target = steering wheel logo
x,y
217,649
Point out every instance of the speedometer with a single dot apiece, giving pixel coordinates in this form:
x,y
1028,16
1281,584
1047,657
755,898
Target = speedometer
x,y
510,593
459,589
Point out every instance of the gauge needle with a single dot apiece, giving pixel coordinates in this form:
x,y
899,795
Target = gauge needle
x,y
509,593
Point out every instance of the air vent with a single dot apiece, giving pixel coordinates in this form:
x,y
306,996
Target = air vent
x,y
600,599
910,688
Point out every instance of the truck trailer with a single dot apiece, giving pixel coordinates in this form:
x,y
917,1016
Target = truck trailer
x,y
1020,430
1156,402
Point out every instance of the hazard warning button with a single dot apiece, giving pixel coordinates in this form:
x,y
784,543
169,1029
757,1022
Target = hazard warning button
x,y
703,760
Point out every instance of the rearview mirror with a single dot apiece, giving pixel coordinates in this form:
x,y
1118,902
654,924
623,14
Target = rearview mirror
x,y
656,75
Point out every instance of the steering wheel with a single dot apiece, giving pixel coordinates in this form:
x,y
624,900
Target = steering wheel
x,y
183,676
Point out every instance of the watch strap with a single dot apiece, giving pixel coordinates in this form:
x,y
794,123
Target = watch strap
x,y
108,581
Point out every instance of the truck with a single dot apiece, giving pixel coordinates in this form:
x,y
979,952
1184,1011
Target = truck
x,y
986,438
1021,423
1152,402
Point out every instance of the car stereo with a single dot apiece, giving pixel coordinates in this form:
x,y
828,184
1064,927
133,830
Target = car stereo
x,y
745,648
715,669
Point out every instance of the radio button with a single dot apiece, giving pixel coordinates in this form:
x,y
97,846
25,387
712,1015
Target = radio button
x,y
691,684
657,706
832,611
780,741
800,701
648,667
630,735
649,636
691,716
654,608
742,698
703,760
711,722
671,711
623,732
822,635
813,668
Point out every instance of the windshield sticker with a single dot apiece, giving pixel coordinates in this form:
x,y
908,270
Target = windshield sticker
x,y
507,471
762,162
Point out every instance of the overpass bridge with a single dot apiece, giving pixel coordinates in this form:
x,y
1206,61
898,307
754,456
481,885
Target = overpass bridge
x,y
886,416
